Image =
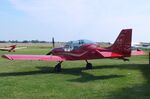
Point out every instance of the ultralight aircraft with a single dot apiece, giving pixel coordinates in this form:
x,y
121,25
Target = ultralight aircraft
x,y
85,50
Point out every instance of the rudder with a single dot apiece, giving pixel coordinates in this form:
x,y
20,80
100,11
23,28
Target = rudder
x,y
12,47
122,44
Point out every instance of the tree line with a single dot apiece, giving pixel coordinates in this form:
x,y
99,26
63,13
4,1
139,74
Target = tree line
x,y
24,41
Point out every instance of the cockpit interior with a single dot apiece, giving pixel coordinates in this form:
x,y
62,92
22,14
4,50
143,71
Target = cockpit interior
x,y
73,45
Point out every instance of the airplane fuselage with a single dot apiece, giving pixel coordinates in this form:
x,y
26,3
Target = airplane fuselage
x,y
85,52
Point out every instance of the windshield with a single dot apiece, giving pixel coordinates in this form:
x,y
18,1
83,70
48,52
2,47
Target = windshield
x,y
72,45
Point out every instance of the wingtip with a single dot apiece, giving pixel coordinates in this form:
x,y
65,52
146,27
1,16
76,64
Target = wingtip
x,y
6,57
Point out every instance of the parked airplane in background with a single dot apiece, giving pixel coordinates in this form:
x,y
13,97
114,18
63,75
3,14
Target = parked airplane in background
x,y
9,49
85,50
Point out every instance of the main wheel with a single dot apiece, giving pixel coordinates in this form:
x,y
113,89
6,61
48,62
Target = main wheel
x,y
89,66
57,68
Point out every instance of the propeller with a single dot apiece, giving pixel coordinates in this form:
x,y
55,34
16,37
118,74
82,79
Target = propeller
x,y
53,42
53,46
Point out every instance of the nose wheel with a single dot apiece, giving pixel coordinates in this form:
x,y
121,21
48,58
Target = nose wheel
x,y
58,67
88,65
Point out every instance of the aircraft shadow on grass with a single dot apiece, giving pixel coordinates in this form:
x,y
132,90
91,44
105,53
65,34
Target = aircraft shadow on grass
x,y
84,76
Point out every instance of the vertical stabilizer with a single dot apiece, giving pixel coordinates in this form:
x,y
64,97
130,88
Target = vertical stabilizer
x,y
122,44
12,48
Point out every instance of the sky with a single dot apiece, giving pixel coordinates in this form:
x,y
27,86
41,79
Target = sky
x,y
65,20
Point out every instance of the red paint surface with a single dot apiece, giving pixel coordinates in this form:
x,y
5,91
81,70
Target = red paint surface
x,y
120,49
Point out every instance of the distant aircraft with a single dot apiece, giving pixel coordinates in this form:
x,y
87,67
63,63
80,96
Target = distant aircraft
x,y
85,50
9,49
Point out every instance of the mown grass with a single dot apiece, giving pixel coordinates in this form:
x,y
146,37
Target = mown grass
x,y
109,79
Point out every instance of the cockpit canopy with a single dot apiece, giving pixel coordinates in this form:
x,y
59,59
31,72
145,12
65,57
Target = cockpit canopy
x,y
73,45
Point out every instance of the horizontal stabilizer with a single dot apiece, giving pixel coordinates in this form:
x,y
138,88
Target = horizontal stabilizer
x,y
137,52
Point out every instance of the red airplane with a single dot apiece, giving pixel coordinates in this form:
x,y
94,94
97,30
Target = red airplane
x,y
85,50
9,49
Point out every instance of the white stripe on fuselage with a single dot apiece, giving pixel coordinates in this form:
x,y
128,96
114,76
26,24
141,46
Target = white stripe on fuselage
x,y
72,54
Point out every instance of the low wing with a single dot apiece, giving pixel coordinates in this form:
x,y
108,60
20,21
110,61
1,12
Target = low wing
x,y
33,57
4,49
137,52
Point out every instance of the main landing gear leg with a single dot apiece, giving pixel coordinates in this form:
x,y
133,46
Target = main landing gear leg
x,y
88,65
58,67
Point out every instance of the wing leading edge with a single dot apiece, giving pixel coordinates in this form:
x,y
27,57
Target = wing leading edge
x,y
34,57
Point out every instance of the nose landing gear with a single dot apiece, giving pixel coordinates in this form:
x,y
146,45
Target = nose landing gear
x,y
58,67
88,65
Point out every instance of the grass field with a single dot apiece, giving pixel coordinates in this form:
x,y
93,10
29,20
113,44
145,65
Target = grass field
x,y
110,79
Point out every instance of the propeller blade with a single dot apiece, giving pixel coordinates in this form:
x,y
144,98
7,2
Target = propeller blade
x,y
53,42
53,46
